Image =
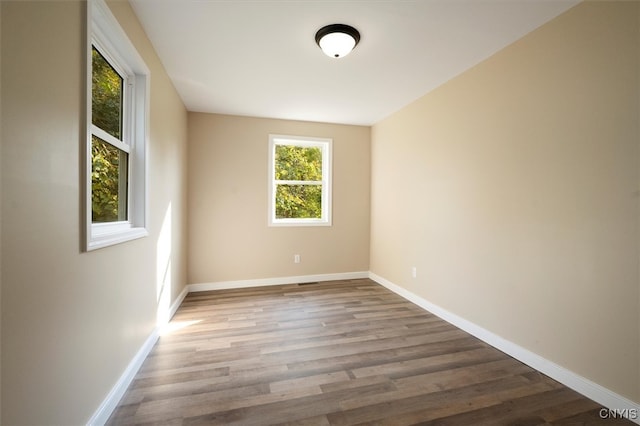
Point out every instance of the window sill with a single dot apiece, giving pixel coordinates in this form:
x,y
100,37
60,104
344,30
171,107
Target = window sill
x,y
107,239
301,223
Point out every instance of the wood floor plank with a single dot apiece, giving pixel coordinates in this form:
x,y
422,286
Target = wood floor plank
x,y
338,353
424,365
315,380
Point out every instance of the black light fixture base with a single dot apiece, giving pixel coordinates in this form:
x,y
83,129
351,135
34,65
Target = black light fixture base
x,y
338,28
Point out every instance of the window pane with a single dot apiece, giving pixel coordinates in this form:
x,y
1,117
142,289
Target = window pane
x,y
109,182
298,201
298,163
106,96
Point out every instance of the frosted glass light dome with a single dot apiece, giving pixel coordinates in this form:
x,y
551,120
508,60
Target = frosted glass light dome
x,y
337,40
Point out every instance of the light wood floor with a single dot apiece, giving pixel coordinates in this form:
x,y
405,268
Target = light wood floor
x,y
336,353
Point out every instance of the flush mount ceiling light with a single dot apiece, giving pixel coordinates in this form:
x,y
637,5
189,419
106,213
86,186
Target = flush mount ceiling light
x,y
337,40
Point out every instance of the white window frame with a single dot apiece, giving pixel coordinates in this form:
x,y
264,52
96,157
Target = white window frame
x,y
104,32
326,145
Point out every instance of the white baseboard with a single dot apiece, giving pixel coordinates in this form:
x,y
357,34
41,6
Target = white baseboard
x,y
618,404
609,399
176,304
224,285
110,403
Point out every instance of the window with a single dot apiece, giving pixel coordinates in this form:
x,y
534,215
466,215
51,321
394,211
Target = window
x,y
117,104
299,181
109,150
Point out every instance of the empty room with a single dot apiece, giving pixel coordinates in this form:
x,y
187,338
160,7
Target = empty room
x,y
319,212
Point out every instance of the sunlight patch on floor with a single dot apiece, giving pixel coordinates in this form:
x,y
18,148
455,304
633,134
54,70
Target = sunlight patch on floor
x,y
175,326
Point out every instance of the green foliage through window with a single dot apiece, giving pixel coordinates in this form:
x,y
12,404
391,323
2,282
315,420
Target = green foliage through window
x,y
298,174
106,95
108,184
299,201
298,163
109,164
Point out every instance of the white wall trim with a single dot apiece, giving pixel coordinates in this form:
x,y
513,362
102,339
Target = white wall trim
x,y
223,285
110,403
176,304
592,390
609,399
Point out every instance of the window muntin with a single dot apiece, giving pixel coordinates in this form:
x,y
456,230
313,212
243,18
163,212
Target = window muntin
x,y
117,129
300,181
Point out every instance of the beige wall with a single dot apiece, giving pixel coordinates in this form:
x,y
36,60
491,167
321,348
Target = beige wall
x,y
0,214
72,321
513,189
228,234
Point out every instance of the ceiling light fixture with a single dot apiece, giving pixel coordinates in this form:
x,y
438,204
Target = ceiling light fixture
x,y
337,40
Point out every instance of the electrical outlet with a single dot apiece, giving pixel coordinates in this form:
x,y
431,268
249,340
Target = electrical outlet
x,y
414,272
296,258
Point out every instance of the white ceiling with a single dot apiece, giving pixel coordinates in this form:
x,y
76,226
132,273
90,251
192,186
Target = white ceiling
x,y
259,57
